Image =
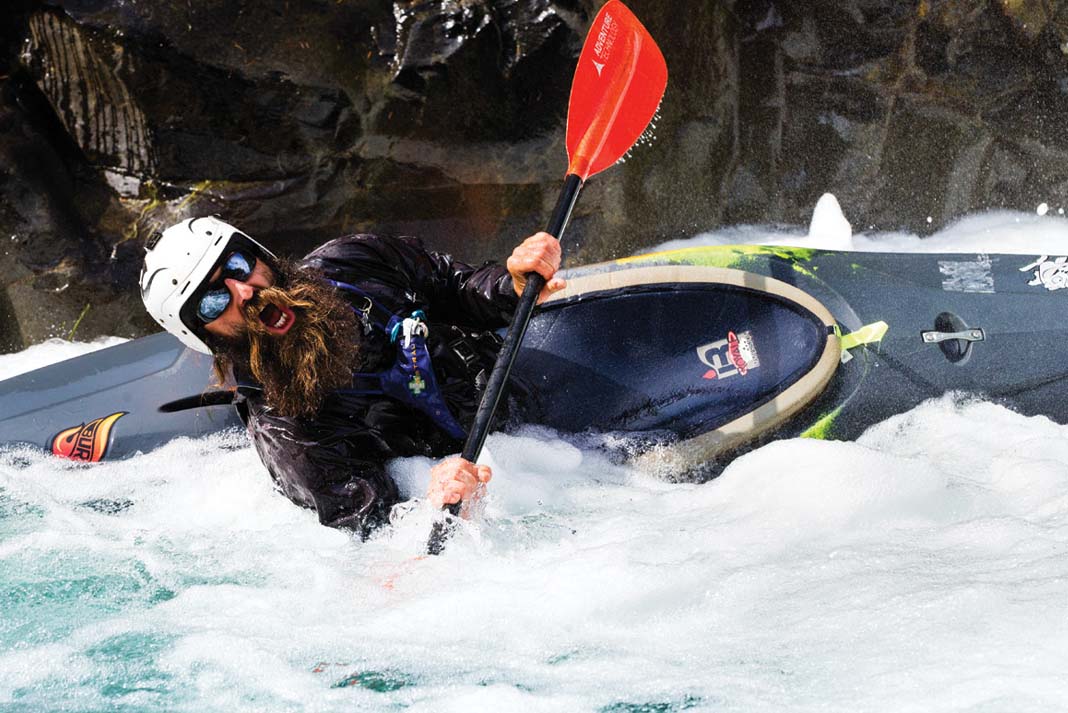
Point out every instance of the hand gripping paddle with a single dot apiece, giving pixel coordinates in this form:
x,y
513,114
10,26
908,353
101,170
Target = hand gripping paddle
x,y
618,84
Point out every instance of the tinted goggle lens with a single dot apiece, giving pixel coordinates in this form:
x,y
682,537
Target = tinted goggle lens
x,y
215,300
213,304
238,266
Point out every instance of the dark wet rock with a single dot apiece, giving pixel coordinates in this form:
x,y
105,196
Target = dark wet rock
x,y
445,118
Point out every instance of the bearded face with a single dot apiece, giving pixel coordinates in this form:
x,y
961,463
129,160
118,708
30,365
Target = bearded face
x,y
315,356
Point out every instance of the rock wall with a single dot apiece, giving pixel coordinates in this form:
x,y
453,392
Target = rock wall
x,y
303,120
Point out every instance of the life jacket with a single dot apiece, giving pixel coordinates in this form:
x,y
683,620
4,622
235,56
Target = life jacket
x,y
410,379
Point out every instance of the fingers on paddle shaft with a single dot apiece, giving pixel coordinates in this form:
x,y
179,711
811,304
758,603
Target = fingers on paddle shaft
x,y
539,254
620,66
456,479
531,290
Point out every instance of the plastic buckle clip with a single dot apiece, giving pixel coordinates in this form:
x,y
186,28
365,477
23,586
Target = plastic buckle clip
x,y
410,327
464,351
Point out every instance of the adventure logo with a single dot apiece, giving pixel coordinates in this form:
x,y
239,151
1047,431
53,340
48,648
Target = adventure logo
x,y
87,442
606,37
734,355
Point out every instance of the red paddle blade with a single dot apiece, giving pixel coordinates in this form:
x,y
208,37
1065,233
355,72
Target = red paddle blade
x,y
618,84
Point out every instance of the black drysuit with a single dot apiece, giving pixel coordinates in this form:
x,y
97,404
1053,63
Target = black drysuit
x,y
335,461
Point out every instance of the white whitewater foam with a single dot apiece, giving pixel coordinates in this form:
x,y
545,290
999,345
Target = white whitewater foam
x,y
921,568
993,232
829,228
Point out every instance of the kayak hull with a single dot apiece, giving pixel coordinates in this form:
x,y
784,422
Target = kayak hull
x,y
694,354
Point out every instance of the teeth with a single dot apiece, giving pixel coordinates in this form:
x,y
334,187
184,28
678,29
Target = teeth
x,y
281,321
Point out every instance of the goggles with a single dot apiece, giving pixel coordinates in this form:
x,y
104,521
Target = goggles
x,y
213,298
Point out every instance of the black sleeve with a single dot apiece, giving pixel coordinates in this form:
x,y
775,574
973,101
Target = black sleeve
x,y
456,292
325,466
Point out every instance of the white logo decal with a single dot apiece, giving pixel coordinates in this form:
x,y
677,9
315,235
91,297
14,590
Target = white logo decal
x,y
599,66
1051,274
734,355
606,37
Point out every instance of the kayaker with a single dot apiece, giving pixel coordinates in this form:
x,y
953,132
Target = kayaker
x,y
368,349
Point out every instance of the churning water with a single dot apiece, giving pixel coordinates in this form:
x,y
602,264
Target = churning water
x,y
921,568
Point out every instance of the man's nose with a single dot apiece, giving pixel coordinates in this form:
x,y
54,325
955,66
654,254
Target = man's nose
x,y
241,292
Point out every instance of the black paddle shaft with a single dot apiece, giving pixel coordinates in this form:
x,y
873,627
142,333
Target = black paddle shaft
x,y
498,380
497,384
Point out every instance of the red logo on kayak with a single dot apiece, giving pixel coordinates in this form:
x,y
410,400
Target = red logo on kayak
x,y
734,355
87,442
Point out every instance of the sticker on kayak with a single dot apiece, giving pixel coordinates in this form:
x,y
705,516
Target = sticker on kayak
x,y
968,276
87,442
734,355
1051,274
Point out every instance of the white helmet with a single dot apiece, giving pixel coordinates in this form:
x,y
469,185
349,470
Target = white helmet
x,y
176,264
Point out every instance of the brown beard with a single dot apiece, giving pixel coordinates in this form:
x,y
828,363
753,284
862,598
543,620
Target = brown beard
x,y
318,354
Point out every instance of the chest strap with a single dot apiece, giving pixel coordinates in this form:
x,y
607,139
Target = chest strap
x,y
410,379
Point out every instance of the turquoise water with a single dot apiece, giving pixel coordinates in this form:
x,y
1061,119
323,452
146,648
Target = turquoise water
x,y
185,583
140,598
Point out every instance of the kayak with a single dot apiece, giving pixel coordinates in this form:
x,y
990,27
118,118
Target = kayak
x,y
685,358
710,351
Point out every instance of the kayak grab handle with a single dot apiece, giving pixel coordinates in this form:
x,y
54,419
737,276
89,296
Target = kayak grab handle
x,y
967,335
954,337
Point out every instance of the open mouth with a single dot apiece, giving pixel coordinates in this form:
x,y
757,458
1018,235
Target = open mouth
x,y
277,319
